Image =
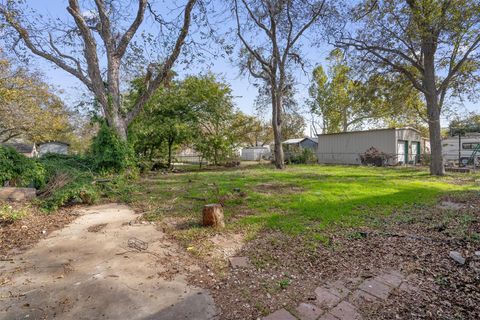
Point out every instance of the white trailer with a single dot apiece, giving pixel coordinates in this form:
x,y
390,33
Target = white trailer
x,y
460,148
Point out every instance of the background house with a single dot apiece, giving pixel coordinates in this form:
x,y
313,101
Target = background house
x,y
27,149
56,147
403,145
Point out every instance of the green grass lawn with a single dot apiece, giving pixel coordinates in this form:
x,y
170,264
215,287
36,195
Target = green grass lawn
x,y
302,199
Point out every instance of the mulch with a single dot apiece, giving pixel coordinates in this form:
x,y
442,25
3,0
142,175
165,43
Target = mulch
x,y
285,270
21,234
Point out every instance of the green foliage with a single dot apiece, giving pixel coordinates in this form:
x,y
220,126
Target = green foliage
x,y
303,156
8,214
69,180
18,170
345,103
197,112
109,152
78,190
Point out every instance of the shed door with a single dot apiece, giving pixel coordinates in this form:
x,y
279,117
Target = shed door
x,y
401,151
416,151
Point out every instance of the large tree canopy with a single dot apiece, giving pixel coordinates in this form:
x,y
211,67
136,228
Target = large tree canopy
x,y
434,44
29,109
346,102
98,42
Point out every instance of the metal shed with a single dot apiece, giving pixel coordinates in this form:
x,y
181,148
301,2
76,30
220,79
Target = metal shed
x,y
303,143
55,147
254,153
403,145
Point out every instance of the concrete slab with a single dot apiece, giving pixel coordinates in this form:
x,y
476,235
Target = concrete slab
x,y
77,274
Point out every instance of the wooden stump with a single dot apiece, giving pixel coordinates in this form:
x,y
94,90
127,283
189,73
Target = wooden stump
x,y
213,216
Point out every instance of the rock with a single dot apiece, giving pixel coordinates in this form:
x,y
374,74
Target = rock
x,y
457,256
17,194
239,262
213,216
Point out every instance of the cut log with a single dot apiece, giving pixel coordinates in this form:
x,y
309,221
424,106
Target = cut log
x,y
213,216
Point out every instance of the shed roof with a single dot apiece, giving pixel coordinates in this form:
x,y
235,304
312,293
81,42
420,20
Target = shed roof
x,y
371,130
299,140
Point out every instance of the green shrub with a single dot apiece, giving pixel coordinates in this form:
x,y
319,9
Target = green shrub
x,y
109,152
80,190
8,214
18,170
305,156
70,180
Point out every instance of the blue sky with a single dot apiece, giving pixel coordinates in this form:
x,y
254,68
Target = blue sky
x,y
244,92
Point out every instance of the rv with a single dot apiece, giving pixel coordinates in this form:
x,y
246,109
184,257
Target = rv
x,y
461,147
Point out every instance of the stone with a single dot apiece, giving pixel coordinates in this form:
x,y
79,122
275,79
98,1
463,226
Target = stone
x,y
306,311
213,216
239,262
17,194
375,288
345,311
359,297
328,316
325,298
393,279
281,314
338,289
476,255
448,205
457,256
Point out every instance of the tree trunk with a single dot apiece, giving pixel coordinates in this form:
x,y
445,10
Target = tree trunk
x,y
436,164
277,129
213,216
433,107
170,144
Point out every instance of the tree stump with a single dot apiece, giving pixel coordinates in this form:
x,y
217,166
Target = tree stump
x,y
213,216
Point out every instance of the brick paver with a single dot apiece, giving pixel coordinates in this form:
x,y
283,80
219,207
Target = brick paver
x,y
393,279
281,314
307,311
338,289
360,296
325,298
336,302
376,288
345,311
328,316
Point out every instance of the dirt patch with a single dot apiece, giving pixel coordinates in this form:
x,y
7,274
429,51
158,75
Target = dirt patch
x,y
279,188
285,270
21,234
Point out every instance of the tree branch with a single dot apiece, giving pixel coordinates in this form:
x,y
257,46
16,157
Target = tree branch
x,y
166,66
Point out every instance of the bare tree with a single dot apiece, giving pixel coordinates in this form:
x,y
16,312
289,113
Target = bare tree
x,y
270,32
434,44
97,35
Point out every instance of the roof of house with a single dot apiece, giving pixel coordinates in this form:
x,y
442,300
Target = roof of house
x,y
299,140
370,130
21,147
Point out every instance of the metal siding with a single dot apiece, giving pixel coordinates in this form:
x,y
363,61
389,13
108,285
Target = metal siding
x,y
308,144
345,148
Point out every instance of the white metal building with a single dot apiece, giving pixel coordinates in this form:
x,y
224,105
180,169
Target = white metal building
x,y
55,147
403,145
254,153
